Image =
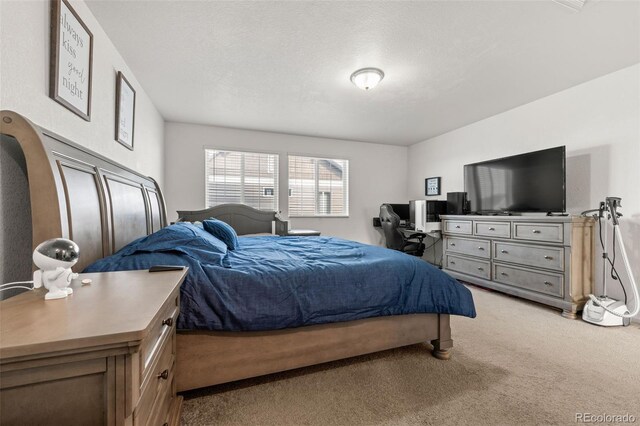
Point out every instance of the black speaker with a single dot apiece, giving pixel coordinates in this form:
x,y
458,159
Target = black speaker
x,y
457,203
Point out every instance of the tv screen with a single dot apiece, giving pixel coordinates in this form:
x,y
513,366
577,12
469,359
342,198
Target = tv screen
x,y
531,182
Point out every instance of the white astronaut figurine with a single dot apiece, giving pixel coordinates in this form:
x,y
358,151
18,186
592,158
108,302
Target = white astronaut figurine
x,y
55,258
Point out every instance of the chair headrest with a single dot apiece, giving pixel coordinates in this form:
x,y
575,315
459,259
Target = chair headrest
x,y
388,215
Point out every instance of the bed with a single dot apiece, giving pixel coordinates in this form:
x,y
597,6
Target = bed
x,y
104,206
244,219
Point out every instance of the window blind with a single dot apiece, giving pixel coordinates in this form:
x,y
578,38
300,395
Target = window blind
x,y
318,186
249,178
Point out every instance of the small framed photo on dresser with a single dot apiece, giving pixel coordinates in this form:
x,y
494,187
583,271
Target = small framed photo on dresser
x,y
125,111
432,186
71,54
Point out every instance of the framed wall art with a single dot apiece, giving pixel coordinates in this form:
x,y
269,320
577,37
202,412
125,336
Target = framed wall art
x,y
125,111
71,54
432,186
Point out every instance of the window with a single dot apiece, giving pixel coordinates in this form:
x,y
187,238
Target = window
x,y
318,186
249,178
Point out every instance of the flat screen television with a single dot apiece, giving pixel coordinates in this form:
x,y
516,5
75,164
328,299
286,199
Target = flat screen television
x,y
531,182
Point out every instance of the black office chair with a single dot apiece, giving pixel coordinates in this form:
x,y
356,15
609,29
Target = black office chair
x,y
396,240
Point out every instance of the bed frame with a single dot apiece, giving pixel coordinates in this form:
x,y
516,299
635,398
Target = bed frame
x,y
244,219
102,205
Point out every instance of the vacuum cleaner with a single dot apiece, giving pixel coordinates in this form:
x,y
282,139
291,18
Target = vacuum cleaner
x,y
604,310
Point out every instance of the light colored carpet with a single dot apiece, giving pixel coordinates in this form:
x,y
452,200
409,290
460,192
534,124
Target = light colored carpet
x,y
517,363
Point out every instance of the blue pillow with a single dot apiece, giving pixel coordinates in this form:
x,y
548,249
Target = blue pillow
x,y
207,238
222,231
179,244
183,237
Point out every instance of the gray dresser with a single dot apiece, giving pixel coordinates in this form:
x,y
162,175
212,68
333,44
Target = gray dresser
x,y
545,259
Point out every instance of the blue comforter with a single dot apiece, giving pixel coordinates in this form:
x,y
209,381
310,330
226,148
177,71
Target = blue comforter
x,y
273,282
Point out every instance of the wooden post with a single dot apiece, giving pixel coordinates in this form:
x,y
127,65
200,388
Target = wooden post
x,y
443,344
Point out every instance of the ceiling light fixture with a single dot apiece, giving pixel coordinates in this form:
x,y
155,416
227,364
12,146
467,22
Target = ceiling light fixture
x,y
367,78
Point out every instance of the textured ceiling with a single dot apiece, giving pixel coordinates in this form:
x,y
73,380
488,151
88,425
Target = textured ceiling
x,y
285,66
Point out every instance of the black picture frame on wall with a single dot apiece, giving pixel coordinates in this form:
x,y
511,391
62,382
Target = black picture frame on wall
x,y
71,60
432,186
125,111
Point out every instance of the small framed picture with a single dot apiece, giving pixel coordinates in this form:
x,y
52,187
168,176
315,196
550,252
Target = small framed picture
x,y
125,111
432,186
71,60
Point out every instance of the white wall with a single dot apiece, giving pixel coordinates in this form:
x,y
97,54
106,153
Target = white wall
x,y
598,121
377,173
24,87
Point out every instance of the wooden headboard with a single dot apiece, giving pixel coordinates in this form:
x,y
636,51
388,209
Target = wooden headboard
x,y
242,218
78,194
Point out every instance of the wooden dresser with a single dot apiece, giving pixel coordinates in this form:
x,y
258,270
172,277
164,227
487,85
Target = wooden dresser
x,y
548,259
104,355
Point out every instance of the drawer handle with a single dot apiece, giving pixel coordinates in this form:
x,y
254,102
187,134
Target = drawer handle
x,y
453,244
480,269
492,229
504,251
452,262
504,274
457,226
535,231
548,257
481,248
168,322
164,375
547,283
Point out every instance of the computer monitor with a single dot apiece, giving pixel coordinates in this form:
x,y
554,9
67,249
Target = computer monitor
x,y
402,210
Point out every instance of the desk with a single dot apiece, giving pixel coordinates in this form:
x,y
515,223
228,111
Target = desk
x,y
436,236
410,232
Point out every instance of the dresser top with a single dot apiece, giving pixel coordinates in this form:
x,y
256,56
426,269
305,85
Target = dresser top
x,y
116,308
520,218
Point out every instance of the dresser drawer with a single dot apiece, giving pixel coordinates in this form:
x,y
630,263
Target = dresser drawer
x,y
551,232
457,226
492,229
541,282
162,404
479,248
539,256
158,383
160,331
475,267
